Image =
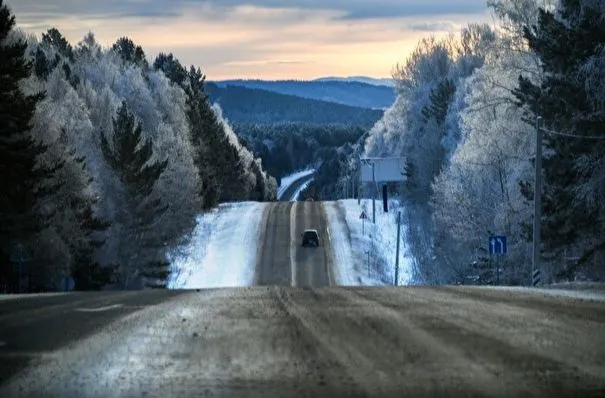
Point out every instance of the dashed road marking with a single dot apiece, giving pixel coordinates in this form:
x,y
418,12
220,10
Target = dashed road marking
x,y
293,242
99,309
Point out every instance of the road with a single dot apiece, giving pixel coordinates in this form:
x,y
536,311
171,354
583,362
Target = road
x,y
282,341
288,194
281,259
32,326
297,335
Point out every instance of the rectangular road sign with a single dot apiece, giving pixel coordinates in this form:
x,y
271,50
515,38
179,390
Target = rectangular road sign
x,y
385,169
497,245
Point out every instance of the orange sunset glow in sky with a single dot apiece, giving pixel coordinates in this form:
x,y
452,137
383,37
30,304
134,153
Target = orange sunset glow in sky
x,y
265,39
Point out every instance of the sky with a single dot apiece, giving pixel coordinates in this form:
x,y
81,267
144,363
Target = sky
x,y
264,39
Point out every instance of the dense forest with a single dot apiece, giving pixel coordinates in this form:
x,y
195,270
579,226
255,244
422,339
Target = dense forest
x,y
465,120
105,161
351,93
288,147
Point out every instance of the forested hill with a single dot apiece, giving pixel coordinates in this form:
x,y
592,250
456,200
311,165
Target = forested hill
x,y
246,105
350,93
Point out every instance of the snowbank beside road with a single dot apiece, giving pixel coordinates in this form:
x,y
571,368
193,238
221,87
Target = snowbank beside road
x,y
352,242
289,180
591,295
222,249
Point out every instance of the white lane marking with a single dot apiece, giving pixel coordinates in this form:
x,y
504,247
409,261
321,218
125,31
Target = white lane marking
x,y
293,242
100,309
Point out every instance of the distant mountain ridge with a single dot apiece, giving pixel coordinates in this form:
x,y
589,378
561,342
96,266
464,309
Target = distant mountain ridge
x,y
248,105
387,82
350,92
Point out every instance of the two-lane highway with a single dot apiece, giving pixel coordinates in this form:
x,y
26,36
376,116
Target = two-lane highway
x,y
281,259
305,342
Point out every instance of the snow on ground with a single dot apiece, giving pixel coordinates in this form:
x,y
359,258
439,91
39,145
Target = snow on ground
x,y
289,180
300,190
353,240
594,295
222,249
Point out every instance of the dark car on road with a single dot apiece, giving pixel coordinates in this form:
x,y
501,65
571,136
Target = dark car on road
x,y
310,237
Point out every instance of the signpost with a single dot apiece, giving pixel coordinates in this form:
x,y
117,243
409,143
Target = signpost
x,y
381,170
497,246
19,256
66,284
363,219
397,250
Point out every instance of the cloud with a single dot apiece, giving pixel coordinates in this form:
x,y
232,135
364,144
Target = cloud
x,y
343,9
434,26
259,38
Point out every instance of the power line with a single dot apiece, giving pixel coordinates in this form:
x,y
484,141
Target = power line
x,y
588,137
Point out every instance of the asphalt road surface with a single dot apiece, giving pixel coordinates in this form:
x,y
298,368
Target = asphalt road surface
x,y
303,342
281,260
289,193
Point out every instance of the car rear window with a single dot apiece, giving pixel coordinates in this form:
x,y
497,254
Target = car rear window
x,y
310,235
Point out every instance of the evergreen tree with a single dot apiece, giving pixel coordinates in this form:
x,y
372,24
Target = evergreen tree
x,y
203,124
54,38
129,156
177,74
23,182
440,99
570,103
129,52
87,273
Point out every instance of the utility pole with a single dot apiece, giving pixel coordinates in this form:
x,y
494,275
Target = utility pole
x,y
397,251
374,195
537,197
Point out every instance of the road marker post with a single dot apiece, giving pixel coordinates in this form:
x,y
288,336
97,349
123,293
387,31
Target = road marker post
x,y
535,277
397,250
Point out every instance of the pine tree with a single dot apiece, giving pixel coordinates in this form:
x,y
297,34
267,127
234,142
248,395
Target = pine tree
x,y
566,44
129,156
54,38
203,126
129,52
87,273
23,182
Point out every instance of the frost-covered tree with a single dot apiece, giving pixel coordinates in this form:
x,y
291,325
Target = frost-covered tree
x,y
570,43
423,127
89,216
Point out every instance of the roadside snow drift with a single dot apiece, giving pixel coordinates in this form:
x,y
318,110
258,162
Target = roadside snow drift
x,y
289,180
365,254
222,249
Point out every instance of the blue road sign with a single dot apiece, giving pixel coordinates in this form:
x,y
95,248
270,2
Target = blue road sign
x,y
497,245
